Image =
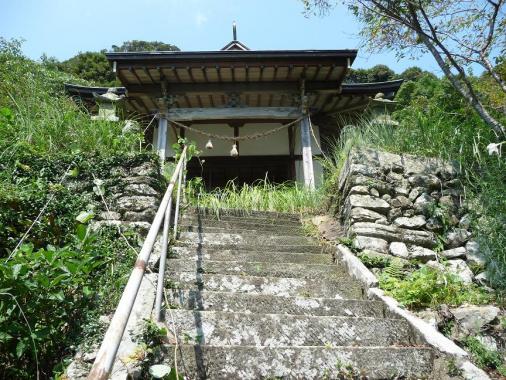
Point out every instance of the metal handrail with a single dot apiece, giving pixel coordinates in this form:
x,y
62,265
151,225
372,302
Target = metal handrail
x,y
106,355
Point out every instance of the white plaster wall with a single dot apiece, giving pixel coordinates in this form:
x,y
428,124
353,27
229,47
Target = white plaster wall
x,y
220,147
274,144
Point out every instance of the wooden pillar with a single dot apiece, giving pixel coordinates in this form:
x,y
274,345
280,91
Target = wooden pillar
x,y
307,156
161,145
291,149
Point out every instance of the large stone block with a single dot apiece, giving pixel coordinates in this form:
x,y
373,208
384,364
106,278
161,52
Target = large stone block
x,y
474,318
393,233
368,202
374,244
421,254
399,249
360,214
415,222
136,203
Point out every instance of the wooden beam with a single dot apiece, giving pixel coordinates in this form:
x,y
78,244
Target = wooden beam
x,y
204,73
146,71
190,74
132,71
245,113
224,87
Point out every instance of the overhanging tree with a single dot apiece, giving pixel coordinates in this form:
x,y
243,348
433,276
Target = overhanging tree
x,y
458,33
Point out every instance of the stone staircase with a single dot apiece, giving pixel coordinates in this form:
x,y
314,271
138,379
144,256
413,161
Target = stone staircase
x,y
252,297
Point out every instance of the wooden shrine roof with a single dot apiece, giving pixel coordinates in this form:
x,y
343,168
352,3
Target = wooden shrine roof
x,y
239,78
231,77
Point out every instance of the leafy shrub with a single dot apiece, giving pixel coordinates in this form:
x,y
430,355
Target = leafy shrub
x,y
45,294
484,357
429,287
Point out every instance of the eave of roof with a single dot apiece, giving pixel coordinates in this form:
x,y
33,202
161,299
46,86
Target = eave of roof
x,y
87,91
231,55
370,88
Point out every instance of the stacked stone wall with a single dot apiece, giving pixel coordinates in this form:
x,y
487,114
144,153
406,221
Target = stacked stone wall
x,y
408,207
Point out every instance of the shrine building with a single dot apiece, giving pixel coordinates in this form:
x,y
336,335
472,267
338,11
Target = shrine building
x,y
253,114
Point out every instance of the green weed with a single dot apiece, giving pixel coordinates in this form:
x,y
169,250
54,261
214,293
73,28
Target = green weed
x,y
428,287
262,196
484,357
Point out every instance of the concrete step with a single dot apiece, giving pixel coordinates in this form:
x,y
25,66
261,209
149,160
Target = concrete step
x,y
238,221
217,254
251,363
260,303
242,214
278,286
253,239
244,228
220,328
268,269
292,248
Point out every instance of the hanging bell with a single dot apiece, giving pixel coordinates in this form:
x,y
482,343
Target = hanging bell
x,y
209,144
233,151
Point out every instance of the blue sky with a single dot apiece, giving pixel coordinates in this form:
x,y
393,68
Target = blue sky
x,y
61,28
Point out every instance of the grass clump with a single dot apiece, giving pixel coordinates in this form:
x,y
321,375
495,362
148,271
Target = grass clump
x,y
260,196
430,287
483,357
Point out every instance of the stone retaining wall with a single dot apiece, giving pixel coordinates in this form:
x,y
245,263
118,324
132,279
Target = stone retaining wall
x,y
408,207
132,194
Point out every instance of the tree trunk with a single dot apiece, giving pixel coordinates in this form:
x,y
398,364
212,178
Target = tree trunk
x,y
492,72
467,93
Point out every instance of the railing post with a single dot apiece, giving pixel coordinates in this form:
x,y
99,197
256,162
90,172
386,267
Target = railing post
x,y
108,349
163,261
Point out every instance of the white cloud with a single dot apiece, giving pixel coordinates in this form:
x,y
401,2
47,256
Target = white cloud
x,y
200,19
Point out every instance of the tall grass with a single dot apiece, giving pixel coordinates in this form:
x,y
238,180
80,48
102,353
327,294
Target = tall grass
x,y
260,196
38,117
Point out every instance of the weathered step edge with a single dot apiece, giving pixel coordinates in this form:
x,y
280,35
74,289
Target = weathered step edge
x,y
240,213
262,303
283,330
234,362
257,268
280,286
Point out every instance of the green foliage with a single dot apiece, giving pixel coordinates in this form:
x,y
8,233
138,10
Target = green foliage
x,y
378,73
429,287
395,269
374,261
137,45
58,283
52,287
94,67
484,358
262,196
38,117
91,66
